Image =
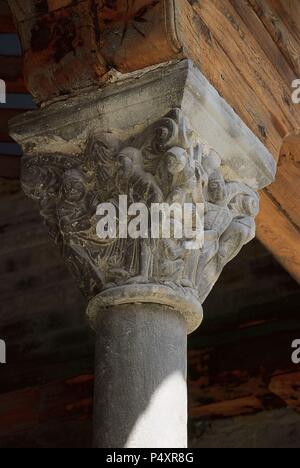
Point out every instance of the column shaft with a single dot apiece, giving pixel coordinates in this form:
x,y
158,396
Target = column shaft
x,y
140,385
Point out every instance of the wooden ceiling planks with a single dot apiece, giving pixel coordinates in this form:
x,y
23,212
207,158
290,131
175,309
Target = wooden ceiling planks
x,y
202,46
281,19
253,64
279,235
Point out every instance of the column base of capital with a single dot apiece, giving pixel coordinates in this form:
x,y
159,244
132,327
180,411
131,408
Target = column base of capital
x,y
177,298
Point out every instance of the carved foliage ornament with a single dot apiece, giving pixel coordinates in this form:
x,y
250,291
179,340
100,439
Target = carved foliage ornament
x,y
163,164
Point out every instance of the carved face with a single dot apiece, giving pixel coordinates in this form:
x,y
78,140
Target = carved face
x,y
74,209
211,162
176,160
216,189
42,184
48,199
73,187
129,159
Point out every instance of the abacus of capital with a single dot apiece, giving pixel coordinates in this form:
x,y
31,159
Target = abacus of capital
x,y
159,135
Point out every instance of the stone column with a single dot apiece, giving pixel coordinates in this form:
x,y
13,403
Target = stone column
x,y
141,366
162,135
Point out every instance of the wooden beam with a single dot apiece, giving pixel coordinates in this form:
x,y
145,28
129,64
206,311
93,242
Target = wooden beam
x,y
278,224
254,65
279,19
148,28
285,190
279,235
55,43
258,30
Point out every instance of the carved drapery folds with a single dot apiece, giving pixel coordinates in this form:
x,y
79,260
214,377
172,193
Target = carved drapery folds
x,y
166,163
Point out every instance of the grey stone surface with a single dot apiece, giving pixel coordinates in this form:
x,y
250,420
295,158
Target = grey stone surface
x,y
164,164
140,384
133,102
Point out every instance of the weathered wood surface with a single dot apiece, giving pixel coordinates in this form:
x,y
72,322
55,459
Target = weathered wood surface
x,y
278,224
281,19
226,38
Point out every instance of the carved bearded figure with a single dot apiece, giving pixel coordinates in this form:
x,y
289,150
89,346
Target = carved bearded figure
x,y
77,202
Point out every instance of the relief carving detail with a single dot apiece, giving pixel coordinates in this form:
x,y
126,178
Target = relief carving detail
x,y
166,163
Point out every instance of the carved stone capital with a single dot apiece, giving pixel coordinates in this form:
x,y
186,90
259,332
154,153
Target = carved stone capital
x,y
89,151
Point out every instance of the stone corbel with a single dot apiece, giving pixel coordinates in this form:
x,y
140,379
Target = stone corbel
x,y
162,135
121,141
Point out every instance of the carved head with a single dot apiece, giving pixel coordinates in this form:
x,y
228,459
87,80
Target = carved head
x,y
211,162
74,210
176,160
130,159
41,184
216,188
73,186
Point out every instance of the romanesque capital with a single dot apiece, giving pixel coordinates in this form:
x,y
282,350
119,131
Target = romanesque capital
x,y
84,164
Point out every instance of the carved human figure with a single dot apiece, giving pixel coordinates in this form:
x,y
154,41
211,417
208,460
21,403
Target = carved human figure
x,y
172,262
165,164
244,207
141,187
139,184
77,202
182,176
41,181
235,230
